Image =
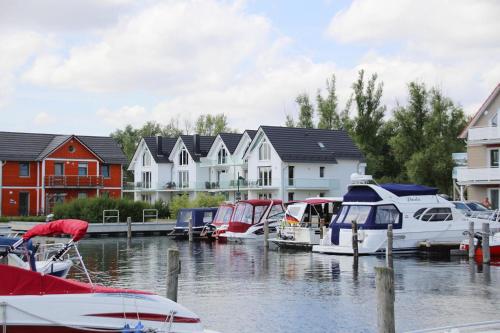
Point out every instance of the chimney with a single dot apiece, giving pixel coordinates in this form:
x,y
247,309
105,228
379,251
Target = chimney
x,y
159,145
196,144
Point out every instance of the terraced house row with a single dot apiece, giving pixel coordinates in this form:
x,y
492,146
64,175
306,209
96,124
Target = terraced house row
x,y
39,170
271,162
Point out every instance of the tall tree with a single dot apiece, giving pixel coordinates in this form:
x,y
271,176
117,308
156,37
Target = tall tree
x,y
327,107
289,122
306,111
212,125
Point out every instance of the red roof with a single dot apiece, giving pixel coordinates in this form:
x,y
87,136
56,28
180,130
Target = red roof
x,y
17,281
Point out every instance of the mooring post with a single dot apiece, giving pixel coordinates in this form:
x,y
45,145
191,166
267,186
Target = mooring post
x,y
388,250
355,239
266,233
173,270
190,229
486,243
129,227
321,225
384,282
472,248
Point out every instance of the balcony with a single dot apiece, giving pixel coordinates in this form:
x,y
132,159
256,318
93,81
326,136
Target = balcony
x,y
74,181
478,175
484,133
312,184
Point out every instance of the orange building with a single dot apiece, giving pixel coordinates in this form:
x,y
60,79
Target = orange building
x,y
39,170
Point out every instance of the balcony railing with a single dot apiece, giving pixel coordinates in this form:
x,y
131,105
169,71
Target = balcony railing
x,y
479,175
312,183
74,181
484,133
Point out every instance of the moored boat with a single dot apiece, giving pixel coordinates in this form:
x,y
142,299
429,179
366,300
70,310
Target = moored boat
x,y
494,242
200,218
221,220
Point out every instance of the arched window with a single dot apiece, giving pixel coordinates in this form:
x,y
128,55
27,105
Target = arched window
x,y
183,157
222,156
264,151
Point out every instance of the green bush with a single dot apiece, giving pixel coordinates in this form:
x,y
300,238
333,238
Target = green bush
x,y
201,200
91,209
22,218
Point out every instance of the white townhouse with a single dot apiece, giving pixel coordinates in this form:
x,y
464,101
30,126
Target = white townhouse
x,y
272,162
292,163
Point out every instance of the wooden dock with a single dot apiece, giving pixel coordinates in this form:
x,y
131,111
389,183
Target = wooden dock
x,y
110,229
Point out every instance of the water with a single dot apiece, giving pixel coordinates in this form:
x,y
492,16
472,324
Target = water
x,y
237,288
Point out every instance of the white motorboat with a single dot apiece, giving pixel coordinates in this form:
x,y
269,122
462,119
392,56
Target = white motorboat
x,y
304,222
247,221
418,215
34,302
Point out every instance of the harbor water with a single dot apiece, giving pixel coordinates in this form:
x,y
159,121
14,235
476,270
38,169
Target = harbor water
x,y
243,288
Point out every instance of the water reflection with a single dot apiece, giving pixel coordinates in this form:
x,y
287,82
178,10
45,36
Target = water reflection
x,y
237,288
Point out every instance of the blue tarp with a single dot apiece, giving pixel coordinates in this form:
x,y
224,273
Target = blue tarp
x,y
402,190
200,217
361,194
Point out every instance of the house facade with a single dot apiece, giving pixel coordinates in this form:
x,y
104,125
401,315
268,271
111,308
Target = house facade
x,y
272,162
481,177
38,171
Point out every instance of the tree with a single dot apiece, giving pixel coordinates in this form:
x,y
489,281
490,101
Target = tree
x,y
289,122
327,108
212,125
306,111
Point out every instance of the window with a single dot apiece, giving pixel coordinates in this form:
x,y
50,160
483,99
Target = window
x,y
243,213
183,179
146,179
146,197
83,169
71,149
321,172
24,169
146,159
208,217
387,214
265,176
265,196
494,158
354,213
264,151
59,169
105,171
222,156
494,197
183,157
82,195
185,216
290,196
291,175
419,213
321,194
494,120
437,214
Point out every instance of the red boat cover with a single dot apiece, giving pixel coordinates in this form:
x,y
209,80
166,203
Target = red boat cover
x,y
17,281
75,228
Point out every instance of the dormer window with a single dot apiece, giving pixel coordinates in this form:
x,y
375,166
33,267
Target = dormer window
x,y
146,159
222,156
264,151
183,157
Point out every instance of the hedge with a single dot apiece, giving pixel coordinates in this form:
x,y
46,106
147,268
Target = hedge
x,y
91,209
22,218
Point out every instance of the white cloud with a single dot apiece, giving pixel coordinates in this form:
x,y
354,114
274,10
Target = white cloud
x,y
43,119
135,115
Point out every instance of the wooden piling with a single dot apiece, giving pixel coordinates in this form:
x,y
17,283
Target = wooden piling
x,y
266,233
355,250
129,227
471,240
190,230
486,243
173,270
388,249
321,225
384,281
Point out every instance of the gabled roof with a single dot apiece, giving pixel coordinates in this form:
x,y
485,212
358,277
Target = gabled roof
x,y
480,112
310,145
251,133
205,144
167,146
15,146
231,140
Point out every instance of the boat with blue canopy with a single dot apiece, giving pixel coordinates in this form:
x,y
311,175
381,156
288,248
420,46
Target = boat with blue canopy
x,y
200,218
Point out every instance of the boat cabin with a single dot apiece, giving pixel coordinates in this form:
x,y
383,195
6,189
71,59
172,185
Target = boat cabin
x,y
309,212
200,217
223,215
251,212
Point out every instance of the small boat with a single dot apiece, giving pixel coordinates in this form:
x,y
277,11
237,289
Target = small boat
x,y
200,218
494,242
304,222
247,221
417,213
221,220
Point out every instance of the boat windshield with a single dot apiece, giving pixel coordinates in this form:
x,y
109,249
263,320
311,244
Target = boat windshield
x,y
223,215
476,207
349,214
243,213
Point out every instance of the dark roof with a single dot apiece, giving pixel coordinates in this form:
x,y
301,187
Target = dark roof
x,y
167,146
251,133
294,144
16,146
231,140
205,144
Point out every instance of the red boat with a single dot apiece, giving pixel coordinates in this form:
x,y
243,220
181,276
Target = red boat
x,y
221,220
494,247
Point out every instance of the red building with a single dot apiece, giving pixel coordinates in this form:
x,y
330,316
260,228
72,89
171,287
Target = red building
x,y
39,170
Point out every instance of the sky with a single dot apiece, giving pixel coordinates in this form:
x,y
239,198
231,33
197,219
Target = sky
x,y
92,66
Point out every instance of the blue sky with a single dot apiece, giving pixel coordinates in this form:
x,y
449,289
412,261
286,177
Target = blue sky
x,y
93,66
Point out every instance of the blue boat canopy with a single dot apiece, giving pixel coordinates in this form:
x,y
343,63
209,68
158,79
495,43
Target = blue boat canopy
x,y
403,190
361,194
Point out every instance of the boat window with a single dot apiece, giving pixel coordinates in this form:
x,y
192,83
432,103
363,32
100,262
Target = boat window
x,y
186,216
461,205
243,213
259,210
437,214
276,209
295,210
387,214
476,207
357,213
208,217
223,215
342,214
419,213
